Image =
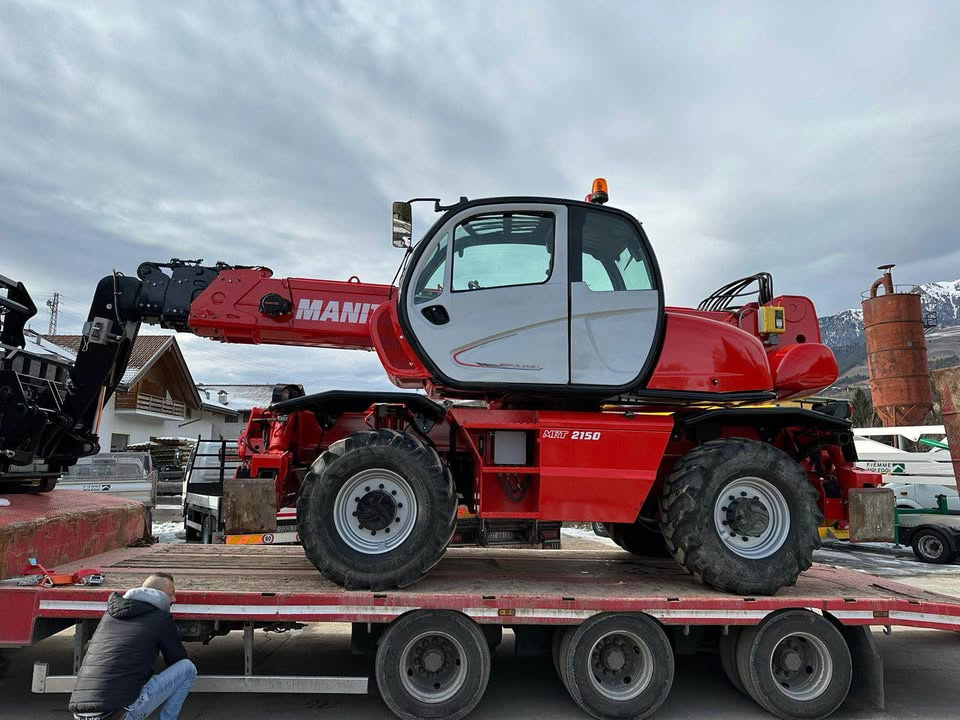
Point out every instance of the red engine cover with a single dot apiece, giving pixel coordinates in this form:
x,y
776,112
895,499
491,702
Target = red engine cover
x,y
702,354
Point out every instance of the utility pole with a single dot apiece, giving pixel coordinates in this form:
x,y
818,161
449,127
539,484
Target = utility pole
x,y
54,305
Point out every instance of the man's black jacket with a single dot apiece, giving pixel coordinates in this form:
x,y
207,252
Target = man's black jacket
x,y
122,651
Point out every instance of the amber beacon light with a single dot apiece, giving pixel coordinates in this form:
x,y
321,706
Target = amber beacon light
x,y
598,194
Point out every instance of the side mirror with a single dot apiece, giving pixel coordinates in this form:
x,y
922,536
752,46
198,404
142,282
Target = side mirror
x,y
402,225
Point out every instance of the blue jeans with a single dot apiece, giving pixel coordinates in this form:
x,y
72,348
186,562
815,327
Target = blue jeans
x,y
168,688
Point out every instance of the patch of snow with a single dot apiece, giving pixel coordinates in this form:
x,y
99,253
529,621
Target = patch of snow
x,y
170,532
586,535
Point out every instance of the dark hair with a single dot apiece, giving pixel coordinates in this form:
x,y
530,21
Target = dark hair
x,y
165,576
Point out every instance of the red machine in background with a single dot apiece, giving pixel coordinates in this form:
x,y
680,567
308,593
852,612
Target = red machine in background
x,y
556,387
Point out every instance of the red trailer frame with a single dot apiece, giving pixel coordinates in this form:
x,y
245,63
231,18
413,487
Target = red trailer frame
x,y
242,588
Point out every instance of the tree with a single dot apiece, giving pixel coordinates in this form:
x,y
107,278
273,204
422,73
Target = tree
x,y
863,415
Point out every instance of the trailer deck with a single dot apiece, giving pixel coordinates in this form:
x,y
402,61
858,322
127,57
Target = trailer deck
x,y
508,587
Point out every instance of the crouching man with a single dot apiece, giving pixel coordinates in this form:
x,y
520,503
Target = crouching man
x,y
115,680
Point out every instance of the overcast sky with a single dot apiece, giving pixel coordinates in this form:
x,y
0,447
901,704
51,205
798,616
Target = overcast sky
x,y
813,140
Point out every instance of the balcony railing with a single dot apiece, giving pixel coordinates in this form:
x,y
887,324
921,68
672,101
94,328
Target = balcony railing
x,y
141,402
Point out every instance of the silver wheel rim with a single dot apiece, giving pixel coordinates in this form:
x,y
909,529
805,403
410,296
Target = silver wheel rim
x,y
802,667
931,547
621,665
752,517
375,511
433,667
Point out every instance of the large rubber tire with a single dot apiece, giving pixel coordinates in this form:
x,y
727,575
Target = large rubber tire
x,y
728,657
695,490
618,665
559,633
639,539
808,678
385,456
404,656
931,545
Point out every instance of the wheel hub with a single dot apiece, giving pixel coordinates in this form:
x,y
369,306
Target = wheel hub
x,y
376,510
748,516
752,517
614,659
802,666
621,665
931,547
432,667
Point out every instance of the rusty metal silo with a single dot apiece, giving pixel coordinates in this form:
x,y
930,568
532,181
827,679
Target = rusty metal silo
x,y
896,353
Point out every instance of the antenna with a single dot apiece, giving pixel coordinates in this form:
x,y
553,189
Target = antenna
x,y
54,305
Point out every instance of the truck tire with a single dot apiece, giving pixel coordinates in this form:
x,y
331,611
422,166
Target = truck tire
x,y
555,648
931,545
741,516
618,665
432,664
728,657
796,665
377,510
639,539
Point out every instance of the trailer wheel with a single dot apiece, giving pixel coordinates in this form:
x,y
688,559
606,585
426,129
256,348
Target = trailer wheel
x,y
795,664
932,546
728,658
432,664
618,665
639,539
556,649
377,510
741,516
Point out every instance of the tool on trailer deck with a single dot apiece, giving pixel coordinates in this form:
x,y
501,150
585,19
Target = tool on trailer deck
x,y
36,574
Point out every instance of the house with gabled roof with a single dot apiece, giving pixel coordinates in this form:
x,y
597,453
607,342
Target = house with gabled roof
x,y
157,396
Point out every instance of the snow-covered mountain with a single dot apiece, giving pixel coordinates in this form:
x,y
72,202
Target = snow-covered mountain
x,y
846,327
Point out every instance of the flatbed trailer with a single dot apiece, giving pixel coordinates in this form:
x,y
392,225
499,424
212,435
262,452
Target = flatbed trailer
x,y
432,641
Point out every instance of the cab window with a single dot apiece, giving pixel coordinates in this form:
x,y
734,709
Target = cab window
x,y
430,282
613,257
503,249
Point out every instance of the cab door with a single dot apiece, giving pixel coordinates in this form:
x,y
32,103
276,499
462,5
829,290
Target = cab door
x,y
487,302
616,308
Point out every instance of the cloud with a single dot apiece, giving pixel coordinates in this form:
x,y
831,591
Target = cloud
x,y
813,141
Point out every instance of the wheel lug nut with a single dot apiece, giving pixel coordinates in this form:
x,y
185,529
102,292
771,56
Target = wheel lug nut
x,y
355,514
732,497
743,494
399,505
373,532
386,529
397,520
381,486
367,489
745,538
393,492
356,499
